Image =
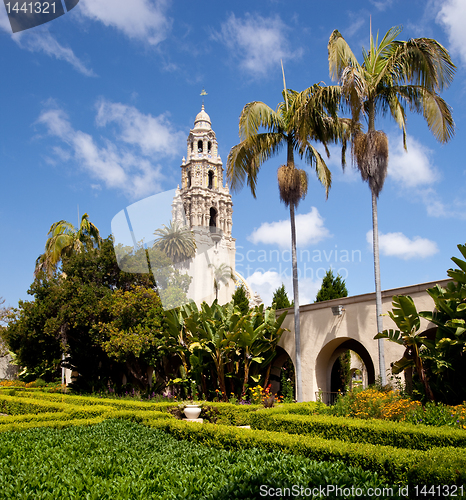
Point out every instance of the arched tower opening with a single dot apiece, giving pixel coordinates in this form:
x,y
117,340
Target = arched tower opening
x,y
200,146
213,218
210,181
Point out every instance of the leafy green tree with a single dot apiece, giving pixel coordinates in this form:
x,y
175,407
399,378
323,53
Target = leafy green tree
x,y
298,121
240,300
67,308
280,298
65,240
394,74
135,331
332,287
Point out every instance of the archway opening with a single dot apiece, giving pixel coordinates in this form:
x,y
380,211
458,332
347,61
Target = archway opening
x,y
199,146
209,147
282,378
210,183
333,376
189,179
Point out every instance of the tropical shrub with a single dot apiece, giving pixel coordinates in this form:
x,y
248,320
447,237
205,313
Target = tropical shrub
x,y
438,355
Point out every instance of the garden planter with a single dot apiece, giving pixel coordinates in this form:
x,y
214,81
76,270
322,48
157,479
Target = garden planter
x,y
192,411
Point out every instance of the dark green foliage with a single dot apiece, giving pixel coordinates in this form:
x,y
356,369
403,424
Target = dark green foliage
x,y
123,460
332,288
240,300
341,372
280,298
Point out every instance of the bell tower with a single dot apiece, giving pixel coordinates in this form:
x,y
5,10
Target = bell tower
x,y
204,204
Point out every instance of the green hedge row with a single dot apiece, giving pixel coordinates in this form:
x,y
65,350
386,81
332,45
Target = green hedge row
x,y
378,432
435,466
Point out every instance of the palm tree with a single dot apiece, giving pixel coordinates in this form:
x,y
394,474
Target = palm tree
x,y
65,240
302,117
175,241
395,74
222,275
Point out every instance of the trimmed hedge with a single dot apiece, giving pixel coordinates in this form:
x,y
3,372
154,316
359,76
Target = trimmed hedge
x,y
378,432
435,466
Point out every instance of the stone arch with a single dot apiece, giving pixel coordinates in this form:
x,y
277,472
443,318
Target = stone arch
x,y
278,363
200,146
328,355
213,217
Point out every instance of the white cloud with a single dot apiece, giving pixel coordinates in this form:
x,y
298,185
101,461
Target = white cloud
x,y
452,16
265,284
40,40
258,42
399,245
138,19
413,167
151,134
310,230
382,4
117,166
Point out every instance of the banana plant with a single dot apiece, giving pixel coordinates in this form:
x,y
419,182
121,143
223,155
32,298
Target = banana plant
x,y
407,319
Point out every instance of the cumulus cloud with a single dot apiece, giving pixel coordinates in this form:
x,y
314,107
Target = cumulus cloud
x,y
399,245
153,134
410,168
265,284
128,168
452,16
310,230
258,42
143,20
40,40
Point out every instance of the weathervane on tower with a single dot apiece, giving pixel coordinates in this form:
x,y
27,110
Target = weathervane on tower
x,y
203,93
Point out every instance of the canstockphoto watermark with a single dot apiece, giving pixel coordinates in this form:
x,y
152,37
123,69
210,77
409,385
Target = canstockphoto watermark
x,y
24,15
332,490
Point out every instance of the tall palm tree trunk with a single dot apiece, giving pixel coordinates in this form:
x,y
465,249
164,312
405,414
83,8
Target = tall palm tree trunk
x,y
375,239
378,288
297,328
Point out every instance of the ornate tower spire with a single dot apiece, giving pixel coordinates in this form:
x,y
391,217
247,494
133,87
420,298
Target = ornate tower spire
x,y
204,204
206,201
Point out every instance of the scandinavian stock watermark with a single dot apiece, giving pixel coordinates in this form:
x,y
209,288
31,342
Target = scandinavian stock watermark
x,y
312,264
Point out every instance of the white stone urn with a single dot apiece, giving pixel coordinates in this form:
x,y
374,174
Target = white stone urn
x,y
192,411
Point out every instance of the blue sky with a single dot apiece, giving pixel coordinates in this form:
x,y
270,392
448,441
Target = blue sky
x,y
97,105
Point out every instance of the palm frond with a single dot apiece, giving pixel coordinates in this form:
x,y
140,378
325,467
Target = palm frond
x,y
340,55
246,158
255,115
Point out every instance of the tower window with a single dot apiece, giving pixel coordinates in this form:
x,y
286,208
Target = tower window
x,y
199,146
192,146
213,217
189,178
209,147
210,184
